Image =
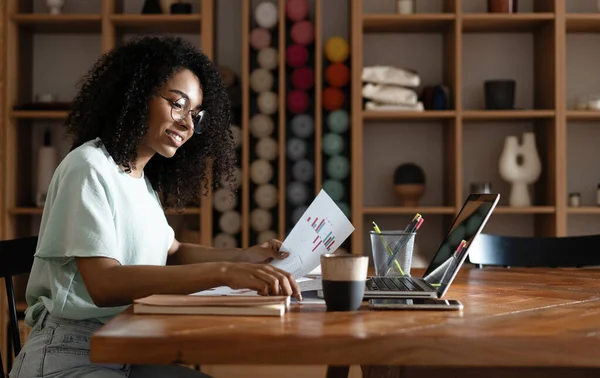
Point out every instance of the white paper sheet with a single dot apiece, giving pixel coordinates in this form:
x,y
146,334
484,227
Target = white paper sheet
x,y
322,229
225,290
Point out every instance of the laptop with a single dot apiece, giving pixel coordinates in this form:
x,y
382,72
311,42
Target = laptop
x,y
448,259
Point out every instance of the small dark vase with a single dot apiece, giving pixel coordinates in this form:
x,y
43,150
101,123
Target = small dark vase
x,y
181,8
502,6
409,184
500,94
151,7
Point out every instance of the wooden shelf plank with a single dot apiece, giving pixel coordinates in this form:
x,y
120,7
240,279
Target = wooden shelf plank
x,y
387,210
38,114
583,22
380,115
21,306
498,115
60,23
583,115
584,210
525,210
39,211
149,23
416,23
495,22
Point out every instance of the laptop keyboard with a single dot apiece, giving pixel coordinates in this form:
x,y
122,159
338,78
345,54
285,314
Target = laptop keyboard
x,y
393,284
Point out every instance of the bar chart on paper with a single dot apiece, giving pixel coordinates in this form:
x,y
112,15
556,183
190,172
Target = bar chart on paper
x,y
322,228
324,233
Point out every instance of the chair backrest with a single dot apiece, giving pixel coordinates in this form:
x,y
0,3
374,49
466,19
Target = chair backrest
x,y
515,251
16,257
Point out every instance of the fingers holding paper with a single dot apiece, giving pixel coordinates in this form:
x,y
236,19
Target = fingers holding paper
x,y
265,252
265,279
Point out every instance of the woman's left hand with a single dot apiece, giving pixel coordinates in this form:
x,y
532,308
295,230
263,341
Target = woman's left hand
x,y
264,253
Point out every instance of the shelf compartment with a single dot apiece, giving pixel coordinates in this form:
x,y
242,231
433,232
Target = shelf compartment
x,y
416,23
40,210
62,23
584,210
428,115
583,23
525,210
38,114
499,115
138,23
485,22
583,115
392,210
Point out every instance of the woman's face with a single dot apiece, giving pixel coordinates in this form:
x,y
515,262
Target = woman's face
x,y
169,125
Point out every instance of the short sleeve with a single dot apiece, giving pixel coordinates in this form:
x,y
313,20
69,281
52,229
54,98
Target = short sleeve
x,y
78,218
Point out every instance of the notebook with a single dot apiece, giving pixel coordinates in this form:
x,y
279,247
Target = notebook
x,y
448,259
212,305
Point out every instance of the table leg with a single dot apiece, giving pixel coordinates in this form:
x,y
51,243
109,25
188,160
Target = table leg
x,y
383,371
337,371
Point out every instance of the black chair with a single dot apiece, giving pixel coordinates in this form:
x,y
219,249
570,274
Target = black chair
x,y
16,257
515,251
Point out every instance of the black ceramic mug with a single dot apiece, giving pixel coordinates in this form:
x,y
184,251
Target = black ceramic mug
x,y
344,278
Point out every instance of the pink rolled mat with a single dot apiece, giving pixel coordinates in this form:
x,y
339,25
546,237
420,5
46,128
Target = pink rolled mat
x,y
303,32
260,38
337,74
303,78
296,55
297,101
297,9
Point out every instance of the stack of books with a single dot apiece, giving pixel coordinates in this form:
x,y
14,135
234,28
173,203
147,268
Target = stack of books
x,y
212,305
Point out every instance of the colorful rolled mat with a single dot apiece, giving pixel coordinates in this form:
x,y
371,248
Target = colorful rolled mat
x,y
335,189
261,171
338,121
297,10
268,58
297,193
337,75
337,49
302,125
268,102
266,15
297,101
333,144
261,219
261,80
267,148
303,78
302,32
338,167
261,125
333,98
296,55
296,149
260,38
303,171
265,196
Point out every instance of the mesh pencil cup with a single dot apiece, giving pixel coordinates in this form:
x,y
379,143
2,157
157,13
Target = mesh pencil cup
x,y
387,243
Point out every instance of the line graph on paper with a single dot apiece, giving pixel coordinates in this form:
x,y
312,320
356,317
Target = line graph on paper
x,y
324,233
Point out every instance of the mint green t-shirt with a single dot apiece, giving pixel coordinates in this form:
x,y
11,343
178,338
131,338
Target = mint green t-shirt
x,y
93,209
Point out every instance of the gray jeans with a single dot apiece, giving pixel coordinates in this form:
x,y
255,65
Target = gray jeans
x,y
60,348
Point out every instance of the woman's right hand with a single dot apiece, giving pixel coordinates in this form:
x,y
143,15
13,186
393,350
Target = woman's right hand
x,y
264,278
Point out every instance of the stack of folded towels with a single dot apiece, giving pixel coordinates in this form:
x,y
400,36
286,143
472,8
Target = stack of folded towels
x,y
390,88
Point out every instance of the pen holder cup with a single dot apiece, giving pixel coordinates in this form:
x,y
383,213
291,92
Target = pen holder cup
x,y
387,243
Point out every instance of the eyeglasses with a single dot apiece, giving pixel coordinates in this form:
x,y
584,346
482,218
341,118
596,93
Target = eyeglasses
x,y
180,109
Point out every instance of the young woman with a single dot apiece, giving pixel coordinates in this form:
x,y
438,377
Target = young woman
x,y
150,118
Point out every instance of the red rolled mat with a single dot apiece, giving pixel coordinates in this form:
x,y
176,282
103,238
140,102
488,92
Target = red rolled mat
x,y
297,101
303,78
337,75
303,32
333,98
296,55
260,38
297,9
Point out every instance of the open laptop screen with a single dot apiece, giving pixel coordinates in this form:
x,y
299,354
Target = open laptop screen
x,y
468,224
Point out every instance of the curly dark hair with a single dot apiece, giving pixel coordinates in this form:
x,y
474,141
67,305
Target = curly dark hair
x,y
112,104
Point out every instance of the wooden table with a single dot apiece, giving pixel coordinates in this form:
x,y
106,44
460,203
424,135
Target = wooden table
x,y
512,318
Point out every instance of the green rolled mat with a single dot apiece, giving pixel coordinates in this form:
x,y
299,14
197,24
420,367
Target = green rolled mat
x,y
338,167
333,144
338,121
345,208
335,189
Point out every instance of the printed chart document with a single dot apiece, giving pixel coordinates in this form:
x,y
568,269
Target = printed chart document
x,y
322,229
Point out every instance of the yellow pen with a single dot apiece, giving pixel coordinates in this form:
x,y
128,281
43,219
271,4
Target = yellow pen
x,y
378,231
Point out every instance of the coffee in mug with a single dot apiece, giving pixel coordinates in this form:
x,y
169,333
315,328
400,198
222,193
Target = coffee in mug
x,y
344,278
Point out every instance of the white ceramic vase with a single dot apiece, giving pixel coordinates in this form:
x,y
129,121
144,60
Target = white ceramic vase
x,y
521,166
55,6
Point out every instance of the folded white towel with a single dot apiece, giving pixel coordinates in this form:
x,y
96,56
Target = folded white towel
x,y
389,94
390,75
371,105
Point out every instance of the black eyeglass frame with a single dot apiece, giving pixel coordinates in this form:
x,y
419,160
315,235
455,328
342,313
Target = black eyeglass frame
x,y
202,114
